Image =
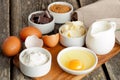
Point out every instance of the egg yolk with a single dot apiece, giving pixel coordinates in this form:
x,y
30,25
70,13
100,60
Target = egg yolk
x,y
75,65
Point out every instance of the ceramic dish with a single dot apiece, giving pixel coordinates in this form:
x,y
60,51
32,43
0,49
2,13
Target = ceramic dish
x,y
68,59
75,36
61,17
33,68
44,28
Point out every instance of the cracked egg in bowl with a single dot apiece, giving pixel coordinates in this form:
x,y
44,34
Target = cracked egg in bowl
x,y
77,60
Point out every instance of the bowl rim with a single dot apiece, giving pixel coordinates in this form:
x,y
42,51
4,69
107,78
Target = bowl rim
x,y
28,49
75,71
71,37
29,16
61,2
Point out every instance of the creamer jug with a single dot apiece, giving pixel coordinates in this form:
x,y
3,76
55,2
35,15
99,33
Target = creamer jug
x,y
101,37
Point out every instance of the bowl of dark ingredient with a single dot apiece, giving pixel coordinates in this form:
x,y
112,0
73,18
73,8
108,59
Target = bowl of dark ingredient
x,y
42,20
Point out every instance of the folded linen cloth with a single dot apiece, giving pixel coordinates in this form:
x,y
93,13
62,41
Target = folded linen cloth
x,y
102,9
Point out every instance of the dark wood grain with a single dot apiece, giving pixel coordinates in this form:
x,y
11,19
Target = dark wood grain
x,y
113,67
86,2
4,32
98,74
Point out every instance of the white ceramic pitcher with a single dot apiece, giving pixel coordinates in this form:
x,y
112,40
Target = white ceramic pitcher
x,y
101,37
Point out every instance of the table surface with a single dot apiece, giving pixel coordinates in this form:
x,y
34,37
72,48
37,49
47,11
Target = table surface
x,y
13,17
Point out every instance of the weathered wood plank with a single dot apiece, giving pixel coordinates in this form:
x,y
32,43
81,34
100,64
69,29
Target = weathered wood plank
x,y
86,2
4,32
17,75
20,9
98,74
113,67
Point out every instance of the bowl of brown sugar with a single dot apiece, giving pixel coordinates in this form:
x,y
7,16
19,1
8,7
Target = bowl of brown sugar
x,y
61,11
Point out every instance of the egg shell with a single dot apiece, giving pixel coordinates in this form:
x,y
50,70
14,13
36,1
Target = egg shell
x,y
51,40
33,41
11,46
27,31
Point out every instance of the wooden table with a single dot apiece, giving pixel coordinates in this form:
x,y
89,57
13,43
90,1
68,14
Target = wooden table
x,y
13,17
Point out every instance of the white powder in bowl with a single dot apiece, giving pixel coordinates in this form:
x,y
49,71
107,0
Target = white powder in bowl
x,y
34,58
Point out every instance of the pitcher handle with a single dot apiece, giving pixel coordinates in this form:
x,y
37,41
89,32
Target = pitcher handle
x,y
113,24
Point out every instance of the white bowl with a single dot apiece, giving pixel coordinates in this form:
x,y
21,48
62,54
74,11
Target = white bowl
x,y
61,17
69,42
44,28
37,70
77,72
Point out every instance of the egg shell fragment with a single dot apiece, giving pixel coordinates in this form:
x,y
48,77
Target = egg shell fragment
x,y
33,41
51,40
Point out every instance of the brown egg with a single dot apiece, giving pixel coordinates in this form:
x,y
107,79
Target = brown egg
x,y
28,31
51,40
11,46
